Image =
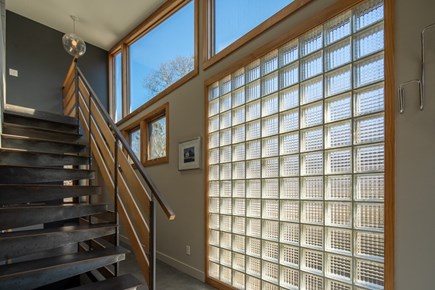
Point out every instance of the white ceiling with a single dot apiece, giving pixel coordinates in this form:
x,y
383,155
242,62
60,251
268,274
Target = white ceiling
x,y
101,22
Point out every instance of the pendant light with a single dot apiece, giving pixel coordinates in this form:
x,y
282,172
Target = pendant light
x,y
72,43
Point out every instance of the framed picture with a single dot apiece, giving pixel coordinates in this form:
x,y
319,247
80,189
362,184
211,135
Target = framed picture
x,y
189,154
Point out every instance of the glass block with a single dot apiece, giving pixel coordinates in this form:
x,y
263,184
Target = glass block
x,y
225,85
338,240
239,188
368,13
213,188
253,149
213,140
213,172
253,208
289,211
225,188
369,245
239,225
312,66
225,257
339,267
338,187
239,134
253,111
252,71
238,262
269,84
270,230
338,54
213,270
338,28
270,105
369,274
270,188
312,164
253,266
312,90
269,62
312,187
289,98
239,207
369,187
338,81
269,168
225,103
312,237
253,283
369,216
213,124
312,139
312,115
288,53
213,108
369,129
225,137
338,214
253,247
238,280
270,147
289,188
238,97
213,91
335,285
213,156
225,275
289,75
213,206
311,41
289,143
225,171
312,261
312,212
225,225
238,244
213,221
369,41
289,255
289,233
254,228
339,161
225,120
213,238
369,70
239,152
270,273
289,166
338,135
289,121
225,154
238,116
289,278
253,91
238,78
253,130
270,209
270,251
239,170
369,158
213,254
338,108
253,188
253,169
369,100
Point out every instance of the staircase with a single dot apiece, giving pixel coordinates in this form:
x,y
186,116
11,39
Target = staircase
x,y
50,230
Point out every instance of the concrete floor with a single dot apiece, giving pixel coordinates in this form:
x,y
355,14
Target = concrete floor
x,y
168,278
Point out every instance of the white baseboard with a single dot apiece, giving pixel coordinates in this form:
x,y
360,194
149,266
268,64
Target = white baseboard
x,y
181,266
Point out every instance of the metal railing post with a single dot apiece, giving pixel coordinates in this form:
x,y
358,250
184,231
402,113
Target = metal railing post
x,y
152,245
115,196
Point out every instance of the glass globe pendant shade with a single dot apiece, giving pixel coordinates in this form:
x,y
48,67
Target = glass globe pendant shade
x,y
73,44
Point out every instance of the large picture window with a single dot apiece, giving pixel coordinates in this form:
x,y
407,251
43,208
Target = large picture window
x,y
296,162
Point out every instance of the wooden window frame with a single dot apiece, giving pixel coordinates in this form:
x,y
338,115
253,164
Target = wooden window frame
x,y
163,13
210,58
389,78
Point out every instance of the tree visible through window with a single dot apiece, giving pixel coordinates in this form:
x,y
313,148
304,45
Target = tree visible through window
x,y
157,138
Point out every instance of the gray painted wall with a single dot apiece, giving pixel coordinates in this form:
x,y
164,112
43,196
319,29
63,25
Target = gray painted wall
x,y
37,53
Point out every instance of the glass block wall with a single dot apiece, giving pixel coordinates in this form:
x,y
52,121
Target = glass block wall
x,y
296,161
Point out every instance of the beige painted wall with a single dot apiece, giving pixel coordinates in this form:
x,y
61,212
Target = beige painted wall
x,y
415,216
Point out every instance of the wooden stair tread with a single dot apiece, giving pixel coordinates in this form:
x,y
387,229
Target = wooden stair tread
x,y
40,115
7,136
41,152
47,130
126,281
45,167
